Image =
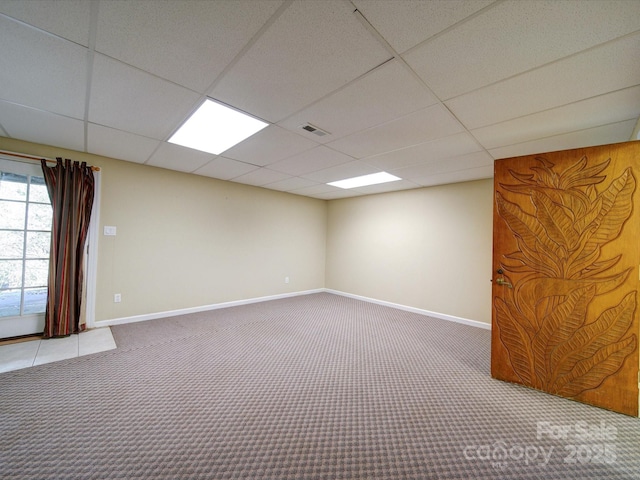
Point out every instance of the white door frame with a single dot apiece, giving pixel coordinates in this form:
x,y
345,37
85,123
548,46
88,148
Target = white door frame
x,y
92,254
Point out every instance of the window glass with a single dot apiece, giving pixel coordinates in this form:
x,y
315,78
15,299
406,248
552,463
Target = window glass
x,y
35,273
25,220
38,191
10,273
12,214
39,217
10,302
11,244
38,244
13,186
35,300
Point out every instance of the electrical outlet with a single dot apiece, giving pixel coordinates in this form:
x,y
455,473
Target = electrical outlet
x,y
117,298
286,279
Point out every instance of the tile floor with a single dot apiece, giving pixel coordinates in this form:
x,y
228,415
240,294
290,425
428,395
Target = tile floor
x,y
37,352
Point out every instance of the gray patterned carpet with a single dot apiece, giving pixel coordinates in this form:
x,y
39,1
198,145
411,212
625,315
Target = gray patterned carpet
x,y
313,387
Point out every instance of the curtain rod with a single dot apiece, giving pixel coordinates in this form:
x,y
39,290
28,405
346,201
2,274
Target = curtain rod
x,y
29,157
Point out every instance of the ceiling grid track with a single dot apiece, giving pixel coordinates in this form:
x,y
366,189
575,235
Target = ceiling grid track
x,y
430,92
406,66
91,50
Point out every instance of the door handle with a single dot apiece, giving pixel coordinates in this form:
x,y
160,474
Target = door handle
x,y
502,281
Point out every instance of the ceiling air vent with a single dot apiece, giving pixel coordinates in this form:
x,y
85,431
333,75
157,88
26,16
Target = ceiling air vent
x,y
313,129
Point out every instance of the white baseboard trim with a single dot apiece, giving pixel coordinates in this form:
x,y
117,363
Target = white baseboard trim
x,y
203,308
235,303
442,316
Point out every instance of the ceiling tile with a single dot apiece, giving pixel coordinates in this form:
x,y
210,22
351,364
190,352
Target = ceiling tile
x,y
66,18
129,99
176,157
545,75
225,168
259,177
604,109
314,190
291,183
42,71
118,144
189,43
516,36
413,129
407,23
471,174
383,94
611,67
42,127
269,146
454,164
387,187
341,172
602,135
312,49
428,152
317,158
335,194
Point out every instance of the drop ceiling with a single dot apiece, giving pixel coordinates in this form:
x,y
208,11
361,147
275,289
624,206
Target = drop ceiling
x,y
430,91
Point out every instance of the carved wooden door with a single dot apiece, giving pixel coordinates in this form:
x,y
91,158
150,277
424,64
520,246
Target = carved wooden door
x,y
566,254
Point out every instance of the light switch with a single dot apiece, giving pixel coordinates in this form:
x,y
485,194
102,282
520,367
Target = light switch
x,y
110,231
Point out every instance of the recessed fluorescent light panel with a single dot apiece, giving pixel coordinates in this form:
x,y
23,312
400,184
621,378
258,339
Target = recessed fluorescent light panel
x,y
214,128
364,180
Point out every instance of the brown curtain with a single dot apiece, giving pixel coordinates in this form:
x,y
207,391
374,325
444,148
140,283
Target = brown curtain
x,y
71,188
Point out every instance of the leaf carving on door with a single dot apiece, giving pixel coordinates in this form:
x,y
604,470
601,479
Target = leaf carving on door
x,y
542,321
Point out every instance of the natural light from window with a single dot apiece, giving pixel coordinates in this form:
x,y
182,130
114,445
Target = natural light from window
x,y
214,128
365,180
25,237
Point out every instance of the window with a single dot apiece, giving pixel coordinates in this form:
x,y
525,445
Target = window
x,y
25,236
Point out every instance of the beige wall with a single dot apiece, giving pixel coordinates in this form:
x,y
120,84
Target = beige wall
x,y
428,248
188,241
